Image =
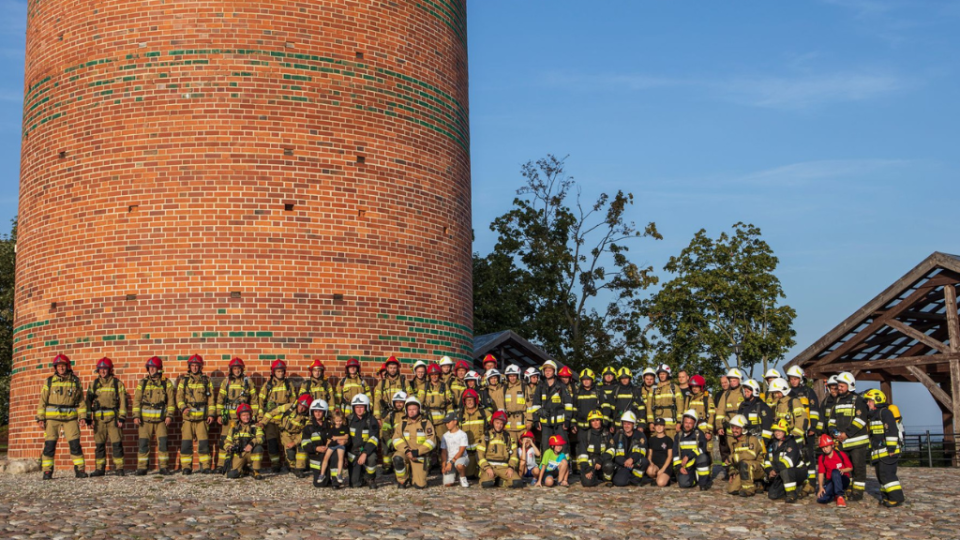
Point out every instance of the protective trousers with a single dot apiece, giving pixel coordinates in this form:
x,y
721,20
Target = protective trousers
x,y
107,431
195,430
785,483
71,432
501,473
366,472
271,434
147,431
243,459
698,473
743,476
296,454
810,450
886,470
858,457
630,476
222,445
605,474
415,469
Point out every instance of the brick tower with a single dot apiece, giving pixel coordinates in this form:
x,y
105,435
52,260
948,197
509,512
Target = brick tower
x,y
272,180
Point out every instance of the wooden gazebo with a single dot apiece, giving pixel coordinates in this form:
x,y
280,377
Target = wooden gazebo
x,y
909,332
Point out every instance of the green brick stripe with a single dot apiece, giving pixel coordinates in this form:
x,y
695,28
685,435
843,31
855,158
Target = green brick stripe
x,y
452,17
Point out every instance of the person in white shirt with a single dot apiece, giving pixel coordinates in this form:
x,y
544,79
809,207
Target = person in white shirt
x,y
453,452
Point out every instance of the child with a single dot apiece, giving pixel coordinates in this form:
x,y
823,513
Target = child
x,y
529,456
661,452
833,473
338,435
453,452
554,464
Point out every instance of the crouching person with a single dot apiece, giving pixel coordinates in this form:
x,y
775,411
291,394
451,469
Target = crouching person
x,y
833,473
290,419
783,465
746,459
497,455
413,439
690,457
314,441
245,444
628,448
596,465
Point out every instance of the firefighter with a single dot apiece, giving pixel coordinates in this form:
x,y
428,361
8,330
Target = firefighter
x,y
364,431
277,391
418,384
848,425
586,399
649,382
235,390
829,400
531,379
290,420
811,406
691,460
565,374
492,393
389,417
665,401
62,405
608,389
472,382
350,386
787,407
515,402
783,465
457,384
392,382
317,385
313,440
699,400
197,405
153,408
414,440
497,456
596,465
552,408
759,416
747,453
489,362
885,448
446,370
107,405
244,444
628,452
728,404
437,402
626,398
769,376
474,421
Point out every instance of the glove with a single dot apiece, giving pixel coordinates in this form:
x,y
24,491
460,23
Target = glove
x,y
415,454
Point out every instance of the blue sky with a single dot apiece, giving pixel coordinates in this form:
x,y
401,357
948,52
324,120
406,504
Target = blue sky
x,y
832,125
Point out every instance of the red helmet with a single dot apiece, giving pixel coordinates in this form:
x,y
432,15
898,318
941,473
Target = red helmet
x,y
242,408
462,364
564,372
557,440
826,440
383,367
434,369
105,363
155,362
470,393
305,400
353,362
236,362
318,364
392,360
195,359
499,415
278,364
697,380
61,359
489,358
527,434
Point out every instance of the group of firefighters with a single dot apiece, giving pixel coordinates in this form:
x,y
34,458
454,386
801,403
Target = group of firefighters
x,y
606,430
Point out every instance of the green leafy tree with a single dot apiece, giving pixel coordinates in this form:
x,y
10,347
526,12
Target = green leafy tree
x,y
560,274
722,308
8,266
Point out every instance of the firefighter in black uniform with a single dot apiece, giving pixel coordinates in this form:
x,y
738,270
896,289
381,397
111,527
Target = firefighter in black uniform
x,y
885,448
596,465
629,452
848,425
552,408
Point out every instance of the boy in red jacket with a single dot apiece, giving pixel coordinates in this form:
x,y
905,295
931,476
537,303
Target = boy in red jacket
x,y
833,473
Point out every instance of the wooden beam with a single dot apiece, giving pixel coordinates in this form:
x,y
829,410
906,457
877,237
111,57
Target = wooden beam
x,y
924,315
955,392
887,388
919,336
953,326
891,362
935,390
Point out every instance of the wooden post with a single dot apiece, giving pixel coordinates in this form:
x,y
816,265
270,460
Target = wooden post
x,y
953,331
887,388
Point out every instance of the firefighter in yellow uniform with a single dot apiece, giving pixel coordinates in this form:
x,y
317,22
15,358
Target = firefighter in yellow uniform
x,y
727,407
473,421
446,371
389,419
746,459
457,384
235,390
392,382
665,401
350,386
153,408
62,405
290,420
437,400
700,400
769,377
197,405
316,384
107,406
277,391
244,444
497,455
414,440
515,402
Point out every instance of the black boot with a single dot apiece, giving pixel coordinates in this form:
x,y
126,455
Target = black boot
x,y
120,472
219,470
48,475
165,472
186,472
79,473
97,473
141,472
206,471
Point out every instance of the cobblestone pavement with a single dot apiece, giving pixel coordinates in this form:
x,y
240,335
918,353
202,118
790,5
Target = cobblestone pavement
x,y
284,507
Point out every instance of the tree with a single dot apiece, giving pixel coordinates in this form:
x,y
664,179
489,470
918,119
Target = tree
x,y
560,273
8,267
721,310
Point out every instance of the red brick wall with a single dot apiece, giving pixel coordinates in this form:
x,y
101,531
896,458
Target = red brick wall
x,y
264,179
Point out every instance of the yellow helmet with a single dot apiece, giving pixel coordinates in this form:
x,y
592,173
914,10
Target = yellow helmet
x,y
877,396
609,370
624,372
588,374
782,425
594,415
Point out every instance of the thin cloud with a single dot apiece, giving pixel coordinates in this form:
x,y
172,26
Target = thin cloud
x,y
803,173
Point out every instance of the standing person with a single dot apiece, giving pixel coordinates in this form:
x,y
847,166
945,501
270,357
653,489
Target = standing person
x,y
728,405
848,423
629,453
197,405
153,408
457,384
608,389
699,400
418,384
586,399
627,397
683,383
235,390
885,448
552,406
414,440
829,400
759,416
107,403
315,440
649,382
691,460
531,379
350,386
596,466
453,452
392,382
492,392
515,402
833,473
797,380
660,469
437,402
446,370
277,391
747,454
565,374
724,386
244,443
290,420
769,377
489,362
783,465
62,405
474,421
364,441
317,385
665,400
554,465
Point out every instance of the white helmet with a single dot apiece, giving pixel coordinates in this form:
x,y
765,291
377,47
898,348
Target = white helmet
x,y
471,376
419,364
847,379
319,405
445,361
412,400
629,417
360,399
772,374
832,380
664,368
734,373
399,396
530,372
512,369
779,385
491,373
795,371
549,363
649,371
692,414
753,385
739,420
